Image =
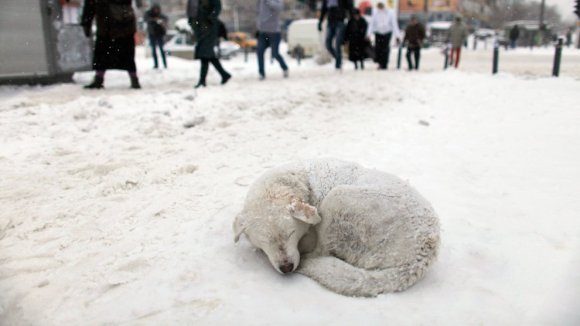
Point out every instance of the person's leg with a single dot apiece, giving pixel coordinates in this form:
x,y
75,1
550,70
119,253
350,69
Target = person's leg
x,y
338,45
417,57
98,80
262,45
134,79
451,56
355,65
218,66
274,45
362,65
330,32
380,48
163,57
458,55
203,73
408,55
152,43
388,42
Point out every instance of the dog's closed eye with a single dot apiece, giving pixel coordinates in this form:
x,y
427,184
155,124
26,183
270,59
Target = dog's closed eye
x,y
290,235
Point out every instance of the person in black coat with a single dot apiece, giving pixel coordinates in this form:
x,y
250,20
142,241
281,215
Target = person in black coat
x,y
115,43
156,30
355,36
203,19
335,11
414,36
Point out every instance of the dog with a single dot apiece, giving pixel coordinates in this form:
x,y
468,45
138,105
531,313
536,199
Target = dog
x,y
360,232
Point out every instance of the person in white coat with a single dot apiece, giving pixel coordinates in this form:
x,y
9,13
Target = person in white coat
x,y
384,25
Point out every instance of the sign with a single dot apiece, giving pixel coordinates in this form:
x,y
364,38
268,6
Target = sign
x,y
443,5
411,6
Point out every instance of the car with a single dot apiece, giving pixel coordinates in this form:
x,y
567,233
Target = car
x,y
181,45
437,32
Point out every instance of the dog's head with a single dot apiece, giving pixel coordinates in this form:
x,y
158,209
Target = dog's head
x,y
276,230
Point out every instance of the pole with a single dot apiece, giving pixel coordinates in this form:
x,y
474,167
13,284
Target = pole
x,y
495,66
557,59
541,26
446,55
399,55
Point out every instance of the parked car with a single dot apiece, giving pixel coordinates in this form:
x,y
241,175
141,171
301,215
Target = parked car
x,y
437,32
182,46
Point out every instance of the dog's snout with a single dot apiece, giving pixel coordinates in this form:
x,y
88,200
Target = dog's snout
x,y
286,268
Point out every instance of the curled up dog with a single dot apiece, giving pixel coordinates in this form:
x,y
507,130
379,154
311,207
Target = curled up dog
x,y
356,231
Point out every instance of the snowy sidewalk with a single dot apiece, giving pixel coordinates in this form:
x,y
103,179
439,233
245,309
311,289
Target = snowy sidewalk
x,y
114,213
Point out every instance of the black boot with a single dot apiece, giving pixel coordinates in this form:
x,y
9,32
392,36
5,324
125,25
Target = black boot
x,y
135,83
225,78
96,84
200,84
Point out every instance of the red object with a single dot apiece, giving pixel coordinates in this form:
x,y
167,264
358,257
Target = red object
x,y
365,8
457,52
69,3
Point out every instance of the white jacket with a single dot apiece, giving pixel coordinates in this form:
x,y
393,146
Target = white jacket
x,y
383,22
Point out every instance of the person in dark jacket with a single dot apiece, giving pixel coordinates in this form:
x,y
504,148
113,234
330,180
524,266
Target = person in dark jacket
x,y
514,35
355,37
115,44
336,11
156,30
414,36
203,19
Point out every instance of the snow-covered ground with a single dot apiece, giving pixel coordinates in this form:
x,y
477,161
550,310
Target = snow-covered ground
x,y
112,212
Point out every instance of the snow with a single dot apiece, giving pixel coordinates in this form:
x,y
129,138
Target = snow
x,y
114,213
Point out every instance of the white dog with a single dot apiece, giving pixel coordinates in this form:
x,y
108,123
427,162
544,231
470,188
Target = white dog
x,y
363,232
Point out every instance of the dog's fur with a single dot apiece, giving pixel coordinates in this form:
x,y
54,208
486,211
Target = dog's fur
x,y
363,232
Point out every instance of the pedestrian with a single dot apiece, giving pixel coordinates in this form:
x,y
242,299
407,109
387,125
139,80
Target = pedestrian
x,y
414,36
384,25
356,38
156,30
514,35
457,35
335,12
115,44
203,19
269,33
569,37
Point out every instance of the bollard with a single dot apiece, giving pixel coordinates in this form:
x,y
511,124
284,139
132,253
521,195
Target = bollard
x,y
557,59
399,55
446,55
495,66
245,54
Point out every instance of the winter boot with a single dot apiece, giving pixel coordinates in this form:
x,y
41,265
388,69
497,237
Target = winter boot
x,y
96,84
135,83
225,78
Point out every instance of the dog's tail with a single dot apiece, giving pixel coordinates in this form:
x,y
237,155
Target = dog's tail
x,y
344,278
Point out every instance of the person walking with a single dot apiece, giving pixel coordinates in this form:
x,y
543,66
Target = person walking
x,y
384,25
203,19
457,35
355,37
414,36
156,30
514,35
115,45
269,33
335,11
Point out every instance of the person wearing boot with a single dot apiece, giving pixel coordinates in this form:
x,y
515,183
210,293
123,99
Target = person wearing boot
x,y
115,45
203,19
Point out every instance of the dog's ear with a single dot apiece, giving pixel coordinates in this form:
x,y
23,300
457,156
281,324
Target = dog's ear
x,y
239,226
304,212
